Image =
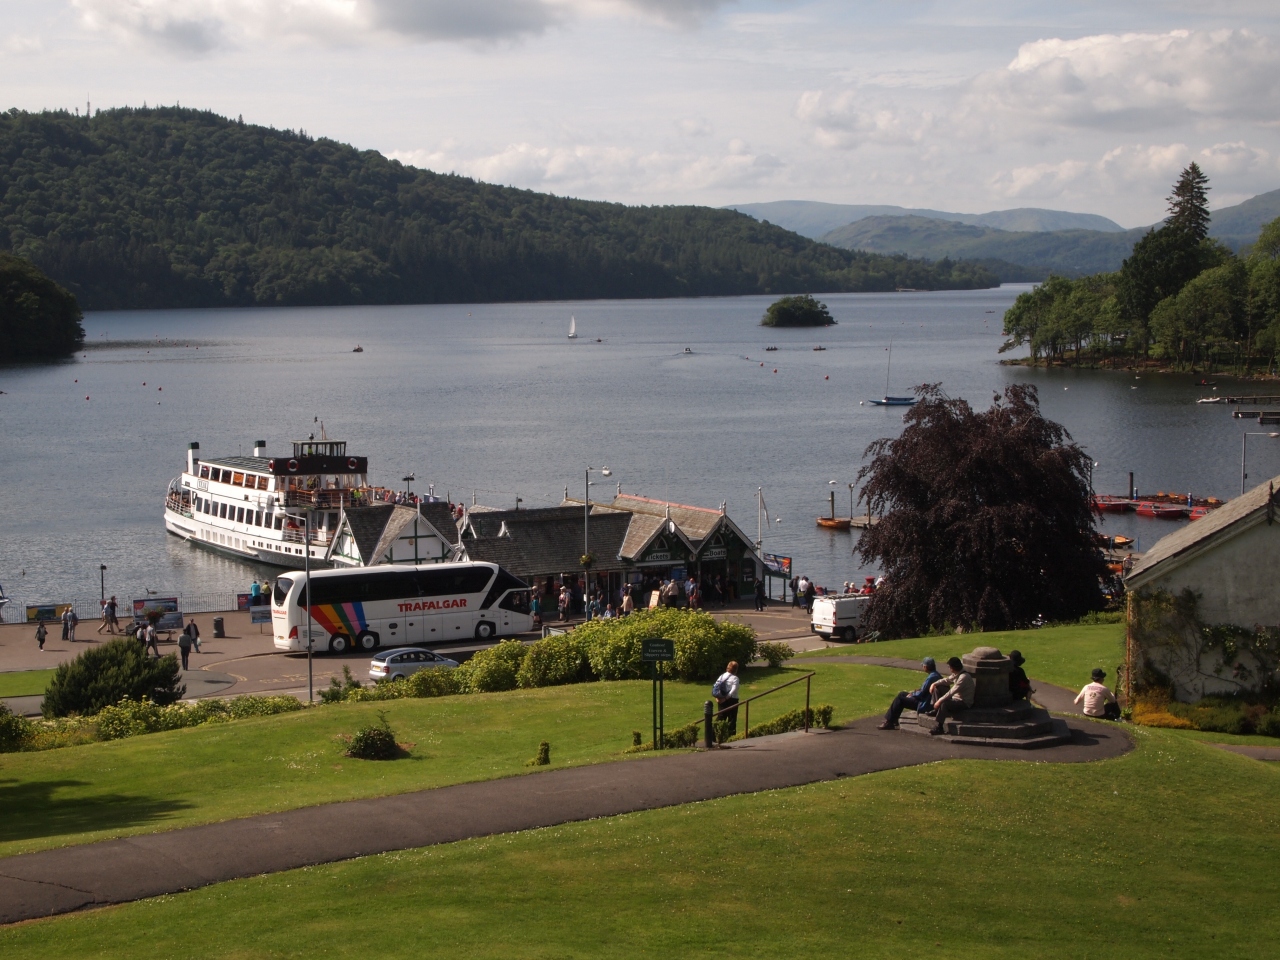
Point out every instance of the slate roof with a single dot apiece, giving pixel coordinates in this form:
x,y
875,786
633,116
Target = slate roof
x,y
375,527
696,523
1230,519
367,525
545,541
440,516
256,464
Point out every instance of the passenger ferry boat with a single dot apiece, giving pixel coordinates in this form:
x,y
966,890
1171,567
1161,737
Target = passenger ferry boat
x,y
253,507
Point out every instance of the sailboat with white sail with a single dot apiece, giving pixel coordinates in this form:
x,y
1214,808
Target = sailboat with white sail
x,y
573,328
886,400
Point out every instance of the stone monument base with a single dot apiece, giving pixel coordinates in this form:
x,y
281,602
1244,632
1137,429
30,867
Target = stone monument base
x,y
1018,725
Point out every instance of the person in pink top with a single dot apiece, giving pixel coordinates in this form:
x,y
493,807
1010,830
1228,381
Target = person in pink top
x,y
1098,700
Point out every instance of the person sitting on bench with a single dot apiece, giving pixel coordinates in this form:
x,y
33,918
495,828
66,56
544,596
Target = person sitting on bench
x,y
918,700
956,698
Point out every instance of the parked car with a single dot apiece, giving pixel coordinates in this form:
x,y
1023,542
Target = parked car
x,y
400,662
839,617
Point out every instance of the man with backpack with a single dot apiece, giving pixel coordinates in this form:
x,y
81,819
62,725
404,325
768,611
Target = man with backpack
x,y
725,690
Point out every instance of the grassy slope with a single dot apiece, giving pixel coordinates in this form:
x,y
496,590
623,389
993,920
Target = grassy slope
x,y
167,780
1161,853
1061,655
24,683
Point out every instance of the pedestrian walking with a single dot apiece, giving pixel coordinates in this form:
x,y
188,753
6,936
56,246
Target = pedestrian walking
x,y
152,642
564,603
193,631
759,591
184,647
113,610
627,603
106,620
41,634
725,690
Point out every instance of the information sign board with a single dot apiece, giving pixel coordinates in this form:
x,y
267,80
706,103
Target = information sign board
x,y
776,566
259,614
46,611
656,649
171,616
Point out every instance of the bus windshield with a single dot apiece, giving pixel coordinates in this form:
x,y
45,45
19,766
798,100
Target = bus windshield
x,y
281,591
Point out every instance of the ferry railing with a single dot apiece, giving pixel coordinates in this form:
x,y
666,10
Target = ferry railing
x,y
325,499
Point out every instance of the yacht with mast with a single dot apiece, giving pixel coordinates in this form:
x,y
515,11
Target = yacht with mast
x,y
253,507
886,400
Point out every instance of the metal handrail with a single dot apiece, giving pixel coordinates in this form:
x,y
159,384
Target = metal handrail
x,y
746,719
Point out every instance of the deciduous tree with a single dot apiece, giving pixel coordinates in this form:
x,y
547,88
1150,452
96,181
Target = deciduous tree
x,y
986,518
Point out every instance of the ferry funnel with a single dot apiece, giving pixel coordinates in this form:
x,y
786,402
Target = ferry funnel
x,y
259,448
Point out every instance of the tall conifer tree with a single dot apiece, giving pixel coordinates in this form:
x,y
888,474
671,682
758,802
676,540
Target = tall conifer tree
x,y
1189,203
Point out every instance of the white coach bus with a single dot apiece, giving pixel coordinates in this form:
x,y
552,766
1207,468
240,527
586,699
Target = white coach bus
x,y
399,605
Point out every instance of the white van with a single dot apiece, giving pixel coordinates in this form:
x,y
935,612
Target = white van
x,y
839,617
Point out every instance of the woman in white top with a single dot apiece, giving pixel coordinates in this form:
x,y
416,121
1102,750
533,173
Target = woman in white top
x,y
1098,700
725,690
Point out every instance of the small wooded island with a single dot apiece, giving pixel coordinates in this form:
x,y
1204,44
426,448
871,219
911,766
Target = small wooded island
x,y
39,320
799,311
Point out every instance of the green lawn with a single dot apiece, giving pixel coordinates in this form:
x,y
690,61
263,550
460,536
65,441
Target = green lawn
x,y
1161,853
24,683
1061,655
219,772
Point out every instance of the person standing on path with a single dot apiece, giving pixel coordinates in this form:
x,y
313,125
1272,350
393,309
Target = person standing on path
x,y
1098,700
760,597
957,699
628,604
113,610
725,690
535,608
153,643
184,648
795,591
72,620
66,624
41,634
810,592
917,700
106,618
192,631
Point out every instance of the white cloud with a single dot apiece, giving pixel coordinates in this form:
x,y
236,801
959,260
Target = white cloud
x,y
851,118
1134,81
584,170
20,46
199,26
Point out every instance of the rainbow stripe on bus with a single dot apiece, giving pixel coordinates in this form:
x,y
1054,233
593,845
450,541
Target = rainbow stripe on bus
x,y
338,618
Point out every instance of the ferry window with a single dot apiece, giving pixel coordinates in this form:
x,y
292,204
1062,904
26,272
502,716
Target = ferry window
x,y
204,471
237,479
257,518
262,483
333,521
280,523
239,514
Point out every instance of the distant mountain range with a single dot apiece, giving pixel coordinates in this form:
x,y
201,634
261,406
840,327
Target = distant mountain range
x,y
811,219
1023,244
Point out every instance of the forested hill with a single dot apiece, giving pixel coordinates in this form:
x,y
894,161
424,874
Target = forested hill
x,y
175,207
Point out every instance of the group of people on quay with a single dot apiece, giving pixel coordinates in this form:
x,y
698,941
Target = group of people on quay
x,y
573,597
804,590
942,697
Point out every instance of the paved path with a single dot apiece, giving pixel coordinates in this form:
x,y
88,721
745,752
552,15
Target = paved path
x,y
1248,750
117,871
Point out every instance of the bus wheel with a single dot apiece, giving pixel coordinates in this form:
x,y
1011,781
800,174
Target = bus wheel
x,y
485,630
849,635
367,641
338,643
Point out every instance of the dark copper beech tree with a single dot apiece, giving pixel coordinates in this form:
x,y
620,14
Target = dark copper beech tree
x,y
986,519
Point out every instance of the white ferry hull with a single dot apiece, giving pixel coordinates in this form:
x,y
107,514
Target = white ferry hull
x,y
241,546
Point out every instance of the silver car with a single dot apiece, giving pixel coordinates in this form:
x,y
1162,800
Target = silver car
x,y
400,662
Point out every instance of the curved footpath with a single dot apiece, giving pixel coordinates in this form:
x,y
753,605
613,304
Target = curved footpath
x,y
117,871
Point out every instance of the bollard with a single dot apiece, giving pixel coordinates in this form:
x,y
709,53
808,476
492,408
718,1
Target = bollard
x,y
709,736
218,632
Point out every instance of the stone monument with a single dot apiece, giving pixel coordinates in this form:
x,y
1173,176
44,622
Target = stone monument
x,y
995,719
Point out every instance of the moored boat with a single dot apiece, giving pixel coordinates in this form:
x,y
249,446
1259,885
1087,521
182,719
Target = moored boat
x,y
1105,503
834,523
251,507
1162,511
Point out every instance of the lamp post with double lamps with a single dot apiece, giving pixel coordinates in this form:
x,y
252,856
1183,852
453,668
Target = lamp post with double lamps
x,y
305,516
1244,447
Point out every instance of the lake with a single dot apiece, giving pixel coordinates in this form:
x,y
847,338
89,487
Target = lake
x,y
493,401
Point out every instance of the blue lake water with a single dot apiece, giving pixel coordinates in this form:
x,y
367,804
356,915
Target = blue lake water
x,y
494,400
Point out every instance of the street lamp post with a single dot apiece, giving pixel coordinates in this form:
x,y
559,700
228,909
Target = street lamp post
x,y
306,566
1244,447
102,580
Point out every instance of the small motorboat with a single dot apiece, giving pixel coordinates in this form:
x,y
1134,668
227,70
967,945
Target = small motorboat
x,y
835,523
358,349
687,350
819,348
894,402
770,349
1197,513
1105,503
1212,400
1162,511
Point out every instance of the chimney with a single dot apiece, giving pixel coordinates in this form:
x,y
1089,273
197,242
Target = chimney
x,y
193,457
259,448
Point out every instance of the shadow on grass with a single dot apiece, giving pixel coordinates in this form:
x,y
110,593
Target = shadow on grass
x,y
34,809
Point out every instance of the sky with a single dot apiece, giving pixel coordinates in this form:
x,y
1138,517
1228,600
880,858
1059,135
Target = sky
x,y
965,106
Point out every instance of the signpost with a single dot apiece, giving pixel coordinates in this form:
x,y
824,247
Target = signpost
x,y
656,650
